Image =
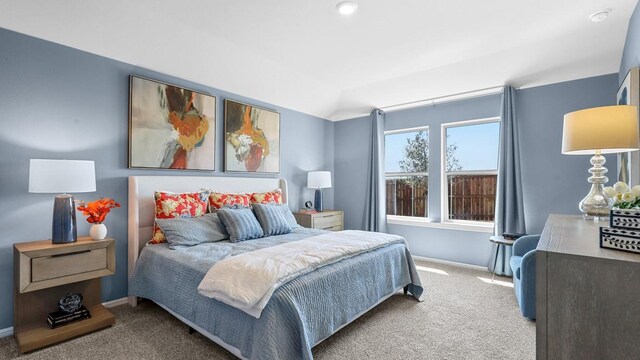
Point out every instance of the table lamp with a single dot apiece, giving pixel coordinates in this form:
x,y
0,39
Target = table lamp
x,y
597,131
318,180
62,177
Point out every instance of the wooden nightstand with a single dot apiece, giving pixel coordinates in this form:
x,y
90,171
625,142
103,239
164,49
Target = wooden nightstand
x,y
331,220
45,272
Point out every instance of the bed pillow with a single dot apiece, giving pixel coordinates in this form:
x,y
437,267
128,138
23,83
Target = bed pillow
x,y
271,218
170,205
184,232
288,215
219,200
241,224
268,197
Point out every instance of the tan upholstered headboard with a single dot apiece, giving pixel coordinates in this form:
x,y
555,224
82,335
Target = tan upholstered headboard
x,y
141,206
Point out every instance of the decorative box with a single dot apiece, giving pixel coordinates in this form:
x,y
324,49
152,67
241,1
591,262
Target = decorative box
x,y
625,218
620,239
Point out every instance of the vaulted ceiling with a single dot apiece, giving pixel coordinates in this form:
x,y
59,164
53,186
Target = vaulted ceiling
x,y
303,55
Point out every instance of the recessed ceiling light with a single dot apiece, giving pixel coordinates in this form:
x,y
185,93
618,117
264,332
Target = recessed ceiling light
x,y
599,16
347,7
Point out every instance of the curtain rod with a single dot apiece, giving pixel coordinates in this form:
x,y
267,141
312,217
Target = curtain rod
x,y
446,98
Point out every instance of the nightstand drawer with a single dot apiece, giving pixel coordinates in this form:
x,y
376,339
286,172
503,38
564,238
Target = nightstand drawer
x,y
43,265
326,222
334,228
55,266
331,220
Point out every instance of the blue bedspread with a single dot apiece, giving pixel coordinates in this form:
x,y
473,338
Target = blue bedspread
x,y
300,314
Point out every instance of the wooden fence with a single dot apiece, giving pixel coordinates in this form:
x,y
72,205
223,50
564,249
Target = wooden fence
x,y
471,197
407,196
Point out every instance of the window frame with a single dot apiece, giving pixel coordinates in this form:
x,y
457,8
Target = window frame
x,y
405,174
444,193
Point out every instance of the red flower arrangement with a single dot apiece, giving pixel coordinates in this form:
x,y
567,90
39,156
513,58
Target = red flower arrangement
x,y
96,211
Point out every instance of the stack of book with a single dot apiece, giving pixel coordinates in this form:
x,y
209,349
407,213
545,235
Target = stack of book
x,y
59,318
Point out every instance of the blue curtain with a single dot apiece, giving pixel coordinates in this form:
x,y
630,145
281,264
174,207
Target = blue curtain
x,y
509,201
375,211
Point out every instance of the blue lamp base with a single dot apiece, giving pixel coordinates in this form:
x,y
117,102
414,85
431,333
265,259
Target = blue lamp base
x,y
318,200
64,228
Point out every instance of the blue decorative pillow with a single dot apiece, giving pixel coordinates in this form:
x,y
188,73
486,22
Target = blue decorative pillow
x,y
241,224
271,218
288,215
183,232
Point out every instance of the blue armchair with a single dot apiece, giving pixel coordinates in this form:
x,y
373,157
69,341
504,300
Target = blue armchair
x,y
523,265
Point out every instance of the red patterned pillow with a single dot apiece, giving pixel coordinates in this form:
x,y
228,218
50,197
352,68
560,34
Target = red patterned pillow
x,y
268,197
171,205
218,200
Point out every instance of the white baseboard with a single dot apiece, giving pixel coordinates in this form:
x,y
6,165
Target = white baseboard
x,y
453,263
109,304
6,332
116,302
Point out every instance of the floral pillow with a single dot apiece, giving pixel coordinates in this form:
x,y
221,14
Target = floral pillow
x,y
269,197
171,205
219,200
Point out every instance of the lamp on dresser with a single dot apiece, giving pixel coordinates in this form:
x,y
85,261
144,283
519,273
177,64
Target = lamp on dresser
x,y
318,180
597,131
62,177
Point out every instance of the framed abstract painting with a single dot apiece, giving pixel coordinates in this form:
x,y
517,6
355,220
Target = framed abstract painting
x,y
251,139
170,127
629,94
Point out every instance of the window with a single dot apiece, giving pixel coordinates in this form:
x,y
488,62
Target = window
x,y
470,158
406,168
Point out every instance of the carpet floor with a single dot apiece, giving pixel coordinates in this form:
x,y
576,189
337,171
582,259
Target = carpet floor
x,y
463,316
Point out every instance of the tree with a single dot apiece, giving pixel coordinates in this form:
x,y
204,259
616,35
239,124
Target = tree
x,y
453,164
416,155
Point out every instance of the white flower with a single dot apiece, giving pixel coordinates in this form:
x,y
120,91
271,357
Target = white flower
x,y
628,196
636,190
621,187
611,193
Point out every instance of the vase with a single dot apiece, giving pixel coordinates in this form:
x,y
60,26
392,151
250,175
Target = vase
x,y
98,231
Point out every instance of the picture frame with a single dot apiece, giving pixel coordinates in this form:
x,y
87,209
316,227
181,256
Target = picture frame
x,y
629,94
251,139
170,127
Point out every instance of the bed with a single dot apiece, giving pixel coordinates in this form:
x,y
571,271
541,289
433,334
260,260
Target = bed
x,y
300,314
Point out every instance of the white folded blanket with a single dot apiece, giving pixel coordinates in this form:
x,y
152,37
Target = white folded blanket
x,y
247,281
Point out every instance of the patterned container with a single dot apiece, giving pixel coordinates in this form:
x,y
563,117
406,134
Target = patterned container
x,y
625,219
620,239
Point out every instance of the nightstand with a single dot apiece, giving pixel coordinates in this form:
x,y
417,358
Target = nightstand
x,y
331,220
43,273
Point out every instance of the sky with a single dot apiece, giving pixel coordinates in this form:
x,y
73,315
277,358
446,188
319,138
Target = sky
x,y
477,146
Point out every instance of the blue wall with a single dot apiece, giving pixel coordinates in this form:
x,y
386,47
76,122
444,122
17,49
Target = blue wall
x,y
553,183
631,53
61,103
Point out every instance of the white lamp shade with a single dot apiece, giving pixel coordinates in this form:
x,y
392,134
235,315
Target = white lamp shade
x,y
61,176
319,179
610,129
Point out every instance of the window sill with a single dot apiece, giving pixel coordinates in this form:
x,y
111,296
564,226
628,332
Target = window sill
x,y
422,222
